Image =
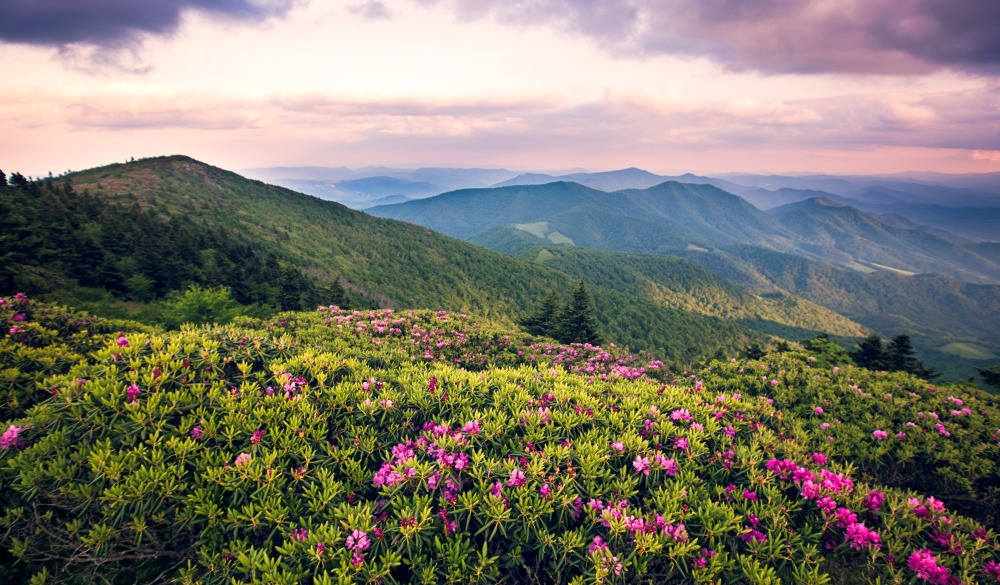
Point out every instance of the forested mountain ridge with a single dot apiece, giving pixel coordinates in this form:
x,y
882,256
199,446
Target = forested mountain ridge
x,y
377,262
672,217
665,217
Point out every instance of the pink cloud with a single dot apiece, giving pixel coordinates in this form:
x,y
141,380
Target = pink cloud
x,y
895,37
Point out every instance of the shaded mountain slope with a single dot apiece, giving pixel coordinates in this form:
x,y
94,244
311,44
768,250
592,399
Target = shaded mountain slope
x,y
931,306
844,235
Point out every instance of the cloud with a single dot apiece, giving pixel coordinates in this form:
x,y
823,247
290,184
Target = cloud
x,y
896,37
370,10
618,121
114,24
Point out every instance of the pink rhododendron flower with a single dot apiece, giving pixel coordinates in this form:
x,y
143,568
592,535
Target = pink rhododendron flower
x,y
257,436
197,432
860,537
357,541
517,478
641,465
242,459
879,434
874,500
923,563
682,414
10,437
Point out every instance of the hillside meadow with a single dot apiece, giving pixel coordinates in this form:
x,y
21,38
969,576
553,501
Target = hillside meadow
x,y
340,446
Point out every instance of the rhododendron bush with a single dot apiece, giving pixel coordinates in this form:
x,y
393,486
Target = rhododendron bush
x,y
431,447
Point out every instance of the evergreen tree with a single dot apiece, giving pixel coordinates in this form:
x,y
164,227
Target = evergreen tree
x,y
577,321
899,355
543,320
3,179
870,354
18,180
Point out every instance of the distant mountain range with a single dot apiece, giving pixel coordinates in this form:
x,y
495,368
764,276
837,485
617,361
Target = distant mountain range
x,y
966,205
671,217
368,186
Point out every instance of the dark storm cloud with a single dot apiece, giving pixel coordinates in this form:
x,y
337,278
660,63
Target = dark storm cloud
x,y
114,22
776,36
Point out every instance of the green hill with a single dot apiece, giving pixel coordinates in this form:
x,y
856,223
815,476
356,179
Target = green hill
x,y
137,231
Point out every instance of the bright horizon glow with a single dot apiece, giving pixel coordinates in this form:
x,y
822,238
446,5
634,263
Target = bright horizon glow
x,y
416,83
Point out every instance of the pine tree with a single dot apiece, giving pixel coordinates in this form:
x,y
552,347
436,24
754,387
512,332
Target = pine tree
x,y
899,355
543,320
870,354
577,322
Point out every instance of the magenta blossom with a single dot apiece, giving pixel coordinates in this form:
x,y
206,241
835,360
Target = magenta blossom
x,y
358,541
9,438
923,563
641,465
242,459
517,478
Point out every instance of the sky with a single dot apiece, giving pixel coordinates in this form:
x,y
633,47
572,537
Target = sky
x,y
671,86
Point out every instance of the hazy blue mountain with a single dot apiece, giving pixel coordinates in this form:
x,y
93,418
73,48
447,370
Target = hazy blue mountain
x,y
359,188
846,236
884,190
389,200
381,186
665,217
959,224
630,178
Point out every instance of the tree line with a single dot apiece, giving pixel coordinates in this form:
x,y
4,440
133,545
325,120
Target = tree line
x,y
53,239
